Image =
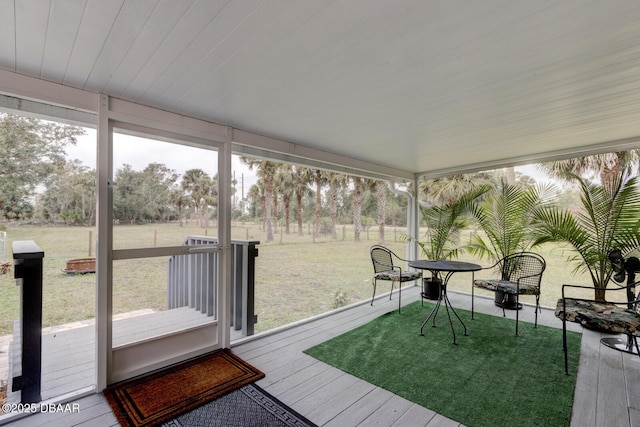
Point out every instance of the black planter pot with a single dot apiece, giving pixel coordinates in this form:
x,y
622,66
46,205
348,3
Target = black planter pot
x,y
509,303
431,288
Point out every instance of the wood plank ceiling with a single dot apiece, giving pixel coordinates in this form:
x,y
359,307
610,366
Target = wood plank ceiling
x,y
421,86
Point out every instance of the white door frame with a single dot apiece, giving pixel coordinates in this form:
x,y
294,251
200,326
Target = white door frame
x,y
117,364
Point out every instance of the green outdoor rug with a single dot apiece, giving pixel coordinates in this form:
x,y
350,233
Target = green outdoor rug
x,y
491,378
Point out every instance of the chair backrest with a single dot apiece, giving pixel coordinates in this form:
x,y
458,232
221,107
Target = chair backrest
x,y
527,267
382,258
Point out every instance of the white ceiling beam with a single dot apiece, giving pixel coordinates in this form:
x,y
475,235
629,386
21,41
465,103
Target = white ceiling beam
x,y
40,90
311,157
625,144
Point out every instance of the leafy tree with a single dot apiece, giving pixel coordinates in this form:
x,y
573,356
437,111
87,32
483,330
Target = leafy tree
x,y
128,199
30,150
69,195
158,181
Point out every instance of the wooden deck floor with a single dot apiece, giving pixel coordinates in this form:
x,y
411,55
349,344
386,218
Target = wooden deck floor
x,y
68,351
606,394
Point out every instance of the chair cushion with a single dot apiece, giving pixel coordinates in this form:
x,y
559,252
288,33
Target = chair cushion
x,y
507,286
600,315
395,275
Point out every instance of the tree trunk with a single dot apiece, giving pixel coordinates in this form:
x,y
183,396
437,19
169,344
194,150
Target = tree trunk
x,y
318,203
267,215
287,212
381,193
333,192
357,208
299,199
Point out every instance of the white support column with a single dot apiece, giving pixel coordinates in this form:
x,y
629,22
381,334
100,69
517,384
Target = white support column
x,y
415,221
104,278
224,236
413,225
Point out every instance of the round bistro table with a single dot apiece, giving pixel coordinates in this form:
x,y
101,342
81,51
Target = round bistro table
x,y
448,268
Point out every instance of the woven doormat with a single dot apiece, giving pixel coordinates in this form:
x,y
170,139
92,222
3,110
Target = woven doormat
x,y
163,395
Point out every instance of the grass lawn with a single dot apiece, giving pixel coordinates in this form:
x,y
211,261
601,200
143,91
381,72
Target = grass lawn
x,y
296,277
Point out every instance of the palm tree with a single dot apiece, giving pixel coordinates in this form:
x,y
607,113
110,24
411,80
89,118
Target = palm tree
x,y
178,199
381,202
320,178
451,188
445,223
608,219
301,179
506,217
608,167
256,197
202,191
266,171
283,185
336,181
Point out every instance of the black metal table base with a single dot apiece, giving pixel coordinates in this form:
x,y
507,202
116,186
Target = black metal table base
x,y
449,308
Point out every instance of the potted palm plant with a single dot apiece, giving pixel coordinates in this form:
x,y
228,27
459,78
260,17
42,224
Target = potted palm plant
x,y
444,224
608,219
505,217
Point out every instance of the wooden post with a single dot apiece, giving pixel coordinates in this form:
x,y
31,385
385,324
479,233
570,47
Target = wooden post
x,y
155,237
90,242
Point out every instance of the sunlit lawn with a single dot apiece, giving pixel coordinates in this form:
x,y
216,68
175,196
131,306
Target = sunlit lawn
x,y
295,277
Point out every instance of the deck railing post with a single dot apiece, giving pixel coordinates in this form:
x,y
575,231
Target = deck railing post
x,y
27,259
191,278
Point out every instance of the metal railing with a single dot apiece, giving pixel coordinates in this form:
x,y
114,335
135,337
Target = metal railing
x,y
27,259
192,281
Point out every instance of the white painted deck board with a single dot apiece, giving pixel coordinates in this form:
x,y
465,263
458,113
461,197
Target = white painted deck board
x,y
328,396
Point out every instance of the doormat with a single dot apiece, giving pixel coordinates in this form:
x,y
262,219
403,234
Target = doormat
x,y
249,406
163,395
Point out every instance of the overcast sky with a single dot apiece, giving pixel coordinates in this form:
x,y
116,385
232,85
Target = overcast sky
x,y
139,152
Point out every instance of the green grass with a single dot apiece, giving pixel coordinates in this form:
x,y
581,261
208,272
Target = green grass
x,y
296,277
491,378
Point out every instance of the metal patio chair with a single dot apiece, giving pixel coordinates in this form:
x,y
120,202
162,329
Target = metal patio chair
x,y
520,274
614,315
384,269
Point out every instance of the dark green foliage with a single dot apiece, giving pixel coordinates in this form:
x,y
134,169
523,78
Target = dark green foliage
x,y
506,218
491,378
30,150
608,219
445,224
